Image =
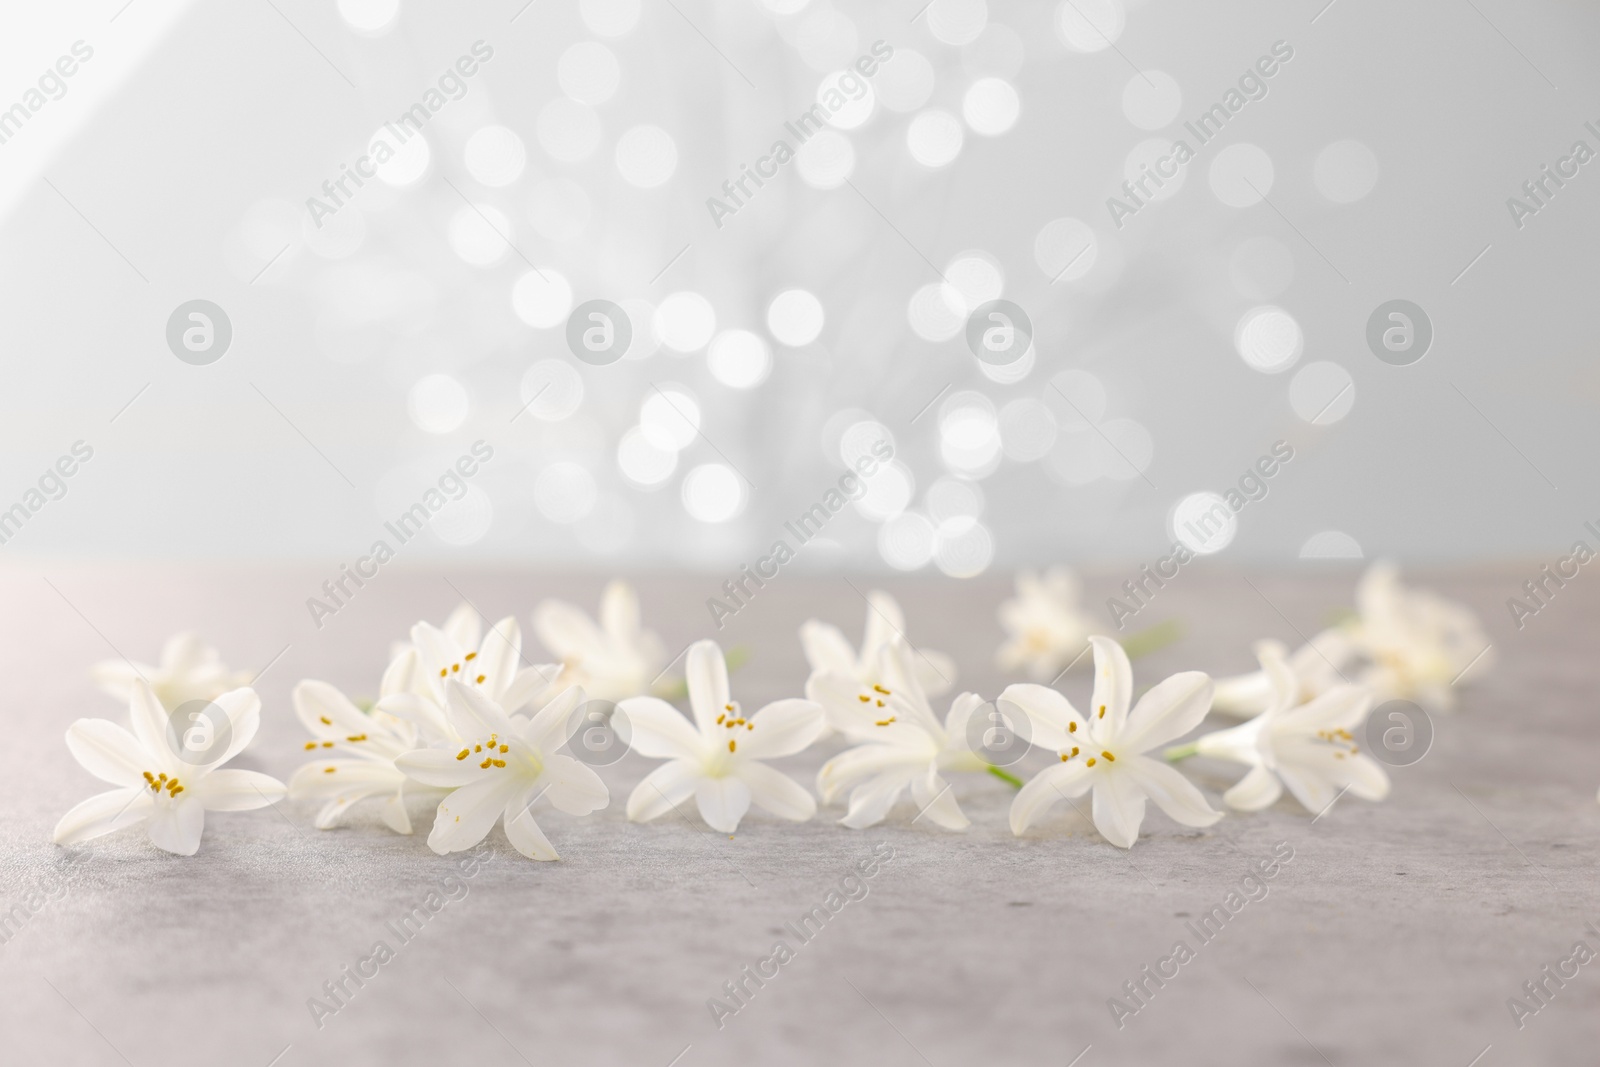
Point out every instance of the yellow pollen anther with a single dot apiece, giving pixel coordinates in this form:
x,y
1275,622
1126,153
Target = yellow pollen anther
x,y
163,776
443,672
864,698
881,689
329,770
176,790
470,656
1109,757
732,745
356,737
486,763
505,748
1089,762
327,744
1072,727
749,726
1074,750
1065,757
309,745
727,707
499,763
481,677
880,703
326,721
464,753
720,718
149,777
477,748
1102,711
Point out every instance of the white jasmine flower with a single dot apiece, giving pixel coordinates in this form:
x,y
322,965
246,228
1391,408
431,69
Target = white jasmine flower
x,y
190,670
1046,623
611,661
1305,746
1105,751
1418,642
906,745
717,758
417,683
505,763
1317,665
462,627
157,787
358,751
829,653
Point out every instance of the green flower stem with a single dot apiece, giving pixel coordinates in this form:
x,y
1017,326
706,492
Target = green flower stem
x,y
1155,637
1178,752
1006,776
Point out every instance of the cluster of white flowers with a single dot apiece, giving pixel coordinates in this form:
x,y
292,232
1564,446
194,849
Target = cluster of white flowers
x,y
463,717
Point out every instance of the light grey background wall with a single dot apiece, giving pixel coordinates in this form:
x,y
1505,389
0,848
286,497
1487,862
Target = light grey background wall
x,y
369,353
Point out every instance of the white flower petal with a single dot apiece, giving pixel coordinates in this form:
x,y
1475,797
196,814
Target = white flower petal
x,y
394,813
1169,710
529,684
1056,782
619,611
573,787
656,729
853,766
782,728
498,658
325,712
439,768
243,708
473,714
103,813
776,792
547,730
567,631
109,752
526,837
1343,708
935,672
1118,807
115,677
1052,720
662,790
1113,688
462,626
1256,791
826,649
419,710
871,802
885,622
466,816
960,714
177,825
707,676
936,801
1172,792
150,723
231,790
1367,778
722,802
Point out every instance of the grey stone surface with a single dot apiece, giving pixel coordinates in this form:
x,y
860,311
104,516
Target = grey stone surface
x,y
1395,935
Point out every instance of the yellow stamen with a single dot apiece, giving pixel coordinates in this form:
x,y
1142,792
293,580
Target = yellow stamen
x,y
327,744
1109,757
443,672
356,737
732,745
864,698
1072,727
326,721
464,753
329,770
881,689
486,762
481,677
1102,711
1089,762
499,763
471,656
309,745
505,748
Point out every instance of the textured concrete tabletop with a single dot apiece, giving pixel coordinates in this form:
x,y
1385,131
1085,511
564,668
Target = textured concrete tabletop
x,y
1395,934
